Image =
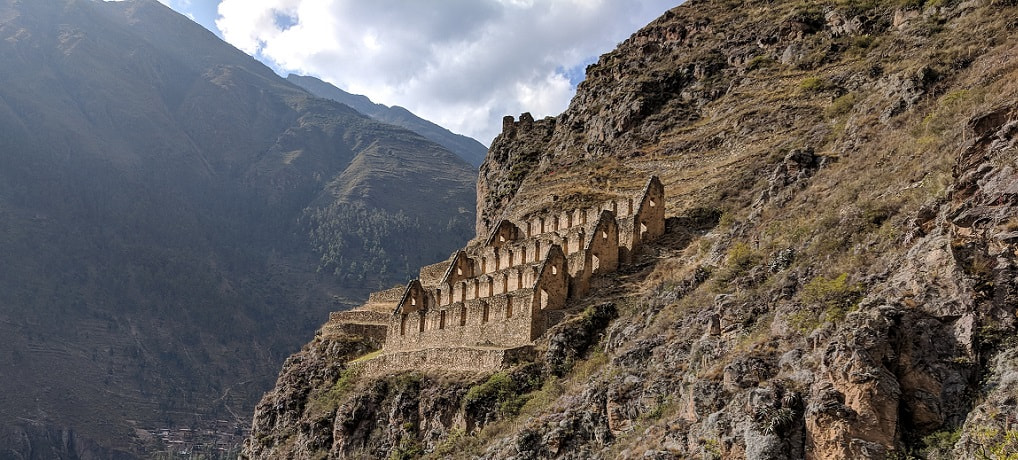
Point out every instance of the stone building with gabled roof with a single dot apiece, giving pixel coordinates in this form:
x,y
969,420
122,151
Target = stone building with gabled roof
x,y
486,305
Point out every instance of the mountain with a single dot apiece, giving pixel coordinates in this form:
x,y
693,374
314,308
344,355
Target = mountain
x,y
838,276
175,219
467,148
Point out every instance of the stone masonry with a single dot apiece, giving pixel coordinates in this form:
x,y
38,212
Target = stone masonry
x,y
484,307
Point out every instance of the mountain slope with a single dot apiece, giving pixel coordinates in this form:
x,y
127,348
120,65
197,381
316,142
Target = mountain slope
x,y
838,278
467,148
157,222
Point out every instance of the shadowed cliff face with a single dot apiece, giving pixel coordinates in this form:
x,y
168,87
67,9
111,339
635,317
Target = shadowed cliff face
x,y
175,219
838,277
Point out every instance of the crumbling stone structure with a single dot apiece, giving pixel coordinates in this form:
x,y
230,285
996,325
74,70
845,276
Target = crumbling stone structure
x,y
490,301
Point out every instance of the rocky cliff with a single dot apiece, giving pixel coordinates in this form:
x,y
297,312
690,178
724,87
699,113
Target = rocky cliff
x,y
838,279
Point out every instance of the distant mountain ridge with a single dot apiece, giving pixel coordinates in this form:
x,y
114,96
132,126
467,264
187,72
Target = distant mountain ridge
x,y
469,149
175,219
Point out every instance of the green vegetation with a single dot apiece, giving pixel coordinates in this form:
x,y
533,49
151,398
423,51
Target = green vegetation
x,y
408,449
500,391
996,444
329,400
813,85
711,448
541,399
760,62
834,293
840,106
836,297
366,357
357,243
941,443
451,443
740,259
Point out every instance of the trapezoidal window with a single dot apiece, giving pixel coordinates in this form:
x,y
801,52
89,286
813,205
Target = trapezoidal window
x,y
554,270
484,312
652,203
441,319
604,235
421,322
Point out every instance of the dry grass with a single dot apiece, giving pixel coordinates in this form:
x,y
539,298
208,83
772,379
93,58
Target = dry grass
x,y
847,219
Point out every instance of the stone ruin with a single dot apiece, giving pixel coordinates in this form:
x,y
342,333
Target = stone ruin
x,y
484,307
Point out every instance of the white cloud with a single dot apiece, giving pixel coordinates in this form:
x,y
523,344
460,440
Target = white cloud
x,y
460,63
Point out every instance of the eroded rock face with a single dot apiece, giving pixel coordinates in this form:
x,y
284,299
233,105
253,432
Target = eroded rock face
x,y
514,154
280,425
768,334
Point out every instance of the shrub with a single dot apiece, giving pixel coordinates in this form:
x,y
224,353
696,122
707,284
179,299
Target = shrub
x,y
836,296
804,321
814,85
840,106
741,258
941,443
407,449
832,293
330,399
759,62
500,392
996,444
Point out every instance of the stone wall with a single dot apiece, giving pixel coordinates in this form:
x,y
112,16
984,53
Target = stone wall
x,y
431,275
387,296
459,359
360,316
500,292
374,333
479,311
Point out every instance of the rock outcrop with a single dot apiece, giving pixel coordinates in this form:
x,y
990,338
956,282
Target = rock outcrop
x,y
837,279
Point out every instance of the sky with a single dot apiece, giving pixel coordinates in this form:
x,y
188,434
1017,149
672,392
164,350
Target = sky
x,y
463,64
